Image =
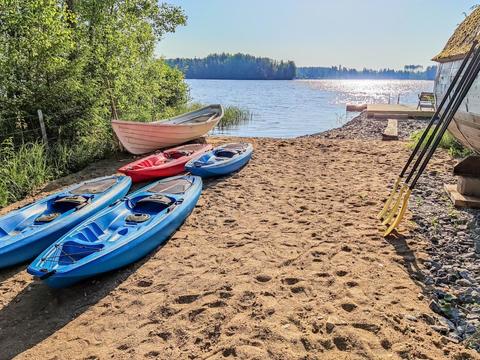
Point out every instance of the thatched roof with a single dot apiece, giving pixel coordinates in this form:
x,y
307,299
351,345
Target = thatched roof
x,y
461,40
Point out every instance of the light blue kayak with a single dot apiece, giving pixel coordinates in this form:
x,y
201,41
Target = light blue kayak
x,y
26,232
222,160
120,234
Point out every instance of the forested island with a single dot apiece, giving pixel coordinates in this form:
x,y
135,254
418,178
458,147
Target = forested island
x,y
247,67
409,72
235,67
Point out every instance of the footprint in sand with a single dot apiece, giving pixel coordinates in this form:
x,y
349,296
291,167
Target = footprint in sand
x,y
349,307
341,273
263,278
144,283
186,299
290,281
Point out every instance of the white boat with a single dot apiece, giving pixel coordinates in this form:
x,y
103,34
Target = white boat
x,y
141,138
466,123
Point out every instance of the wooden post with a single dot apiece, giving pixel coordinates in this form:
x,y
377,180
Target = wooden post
x,y
42,127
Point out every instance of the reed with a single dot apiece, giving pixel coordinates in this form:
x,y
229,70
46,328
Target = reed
x,y
234,116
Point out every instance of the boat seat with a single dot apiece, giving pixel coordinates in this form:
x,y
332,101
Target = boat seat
x,y
45,218
69,202
157,199
226,153
178,154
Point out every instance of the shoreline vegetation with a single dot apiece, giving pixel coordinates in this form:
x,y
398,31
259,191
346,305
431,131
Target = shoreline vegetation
x,y
234,67
410,72
247,67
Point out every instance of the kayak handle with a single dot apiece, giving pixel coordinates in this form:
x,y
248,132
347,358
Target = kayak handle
x,y
47,275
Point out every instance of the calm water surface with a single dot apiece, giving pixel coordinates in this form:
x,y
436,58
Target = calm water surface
x,y
300,107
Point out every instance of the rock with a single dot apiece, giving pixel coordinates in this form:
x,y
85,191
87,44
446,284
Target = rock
x,y
410,318
441,329
445,322
435,307
329,326
463,282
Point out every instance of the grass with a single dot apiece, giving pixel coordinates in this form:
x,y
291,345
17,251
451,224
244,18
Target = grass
x,y
448,142
22,171
26,168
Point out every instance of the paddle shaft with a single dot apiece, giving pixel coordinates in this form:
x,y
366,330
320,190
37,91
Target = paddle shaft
x,y
456,94
438,110
471,77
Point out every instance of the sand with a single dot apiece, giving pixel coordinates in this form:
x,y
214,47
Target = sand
x,y
283,260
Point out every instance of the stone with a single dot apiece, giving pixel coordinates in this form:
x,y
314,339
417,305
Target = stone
x,y
440,329
463,282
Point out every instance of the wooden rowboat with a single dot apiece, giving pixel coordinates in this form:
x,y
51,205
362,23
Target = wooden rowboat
x,y
466,122
141,138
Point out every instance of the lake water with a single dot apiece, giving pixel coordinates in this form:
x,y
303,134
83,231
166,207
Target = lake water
x,y
286,109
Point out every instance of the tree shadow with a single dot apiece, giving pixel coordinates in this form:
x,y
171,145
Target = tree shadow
x,y
399,242
38,311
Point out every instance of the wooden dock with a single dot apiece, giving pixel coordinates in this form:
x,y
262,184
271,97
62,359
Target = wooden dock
x,y
397,111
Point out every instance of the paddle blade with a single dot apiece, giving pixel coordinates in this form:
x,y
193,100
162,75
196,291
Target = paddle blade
x,y
400,214
387,204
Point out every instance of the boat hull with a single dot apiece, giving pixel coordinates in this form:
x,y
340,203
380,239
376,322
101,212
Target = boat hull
x,y
147,169
465,126
220,168
32,242
135,246
141,138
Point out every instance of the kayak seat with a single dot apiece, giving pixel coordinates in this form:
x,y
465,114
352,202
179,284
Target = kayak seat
x,y
72,251
177,154
225,153
152,204
67,203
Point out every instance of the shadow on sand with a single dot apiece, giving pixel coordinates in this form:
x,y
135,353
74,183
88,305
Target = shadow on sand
x,y
399,242
38,311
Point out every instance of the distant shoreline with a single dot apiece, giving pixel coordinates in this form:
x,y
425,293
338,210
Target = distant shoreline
x,y
299,79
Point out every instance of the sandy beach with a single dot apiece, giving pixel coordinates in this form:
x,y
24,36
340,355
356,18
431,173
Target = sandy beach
x,y
283,260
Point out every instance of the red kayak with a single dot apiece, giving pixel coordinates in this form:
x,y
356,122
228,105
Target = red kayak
x,y
163,164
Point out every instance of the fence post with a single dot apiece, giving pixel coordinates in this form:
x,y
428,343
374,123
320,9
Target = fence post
x,y
42,127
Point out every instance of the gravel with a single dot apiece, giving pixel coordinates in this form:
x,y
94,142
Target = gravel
x,y
362,127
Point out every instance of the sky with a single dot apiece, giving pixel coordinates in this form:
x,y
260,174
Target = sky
x,y
353,33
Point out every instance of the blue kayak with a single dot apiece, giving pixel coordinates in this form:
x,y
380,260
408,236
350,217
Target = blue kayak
x,y
26,232
221,160
120,234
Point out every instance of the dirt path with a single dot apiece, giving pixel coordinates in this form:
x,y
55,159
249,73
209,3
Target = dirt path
x,y
283,260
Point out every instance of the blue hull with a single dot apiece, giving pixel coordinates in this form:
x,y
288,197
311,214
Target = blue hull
x,y
22,236
134,241
208,165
